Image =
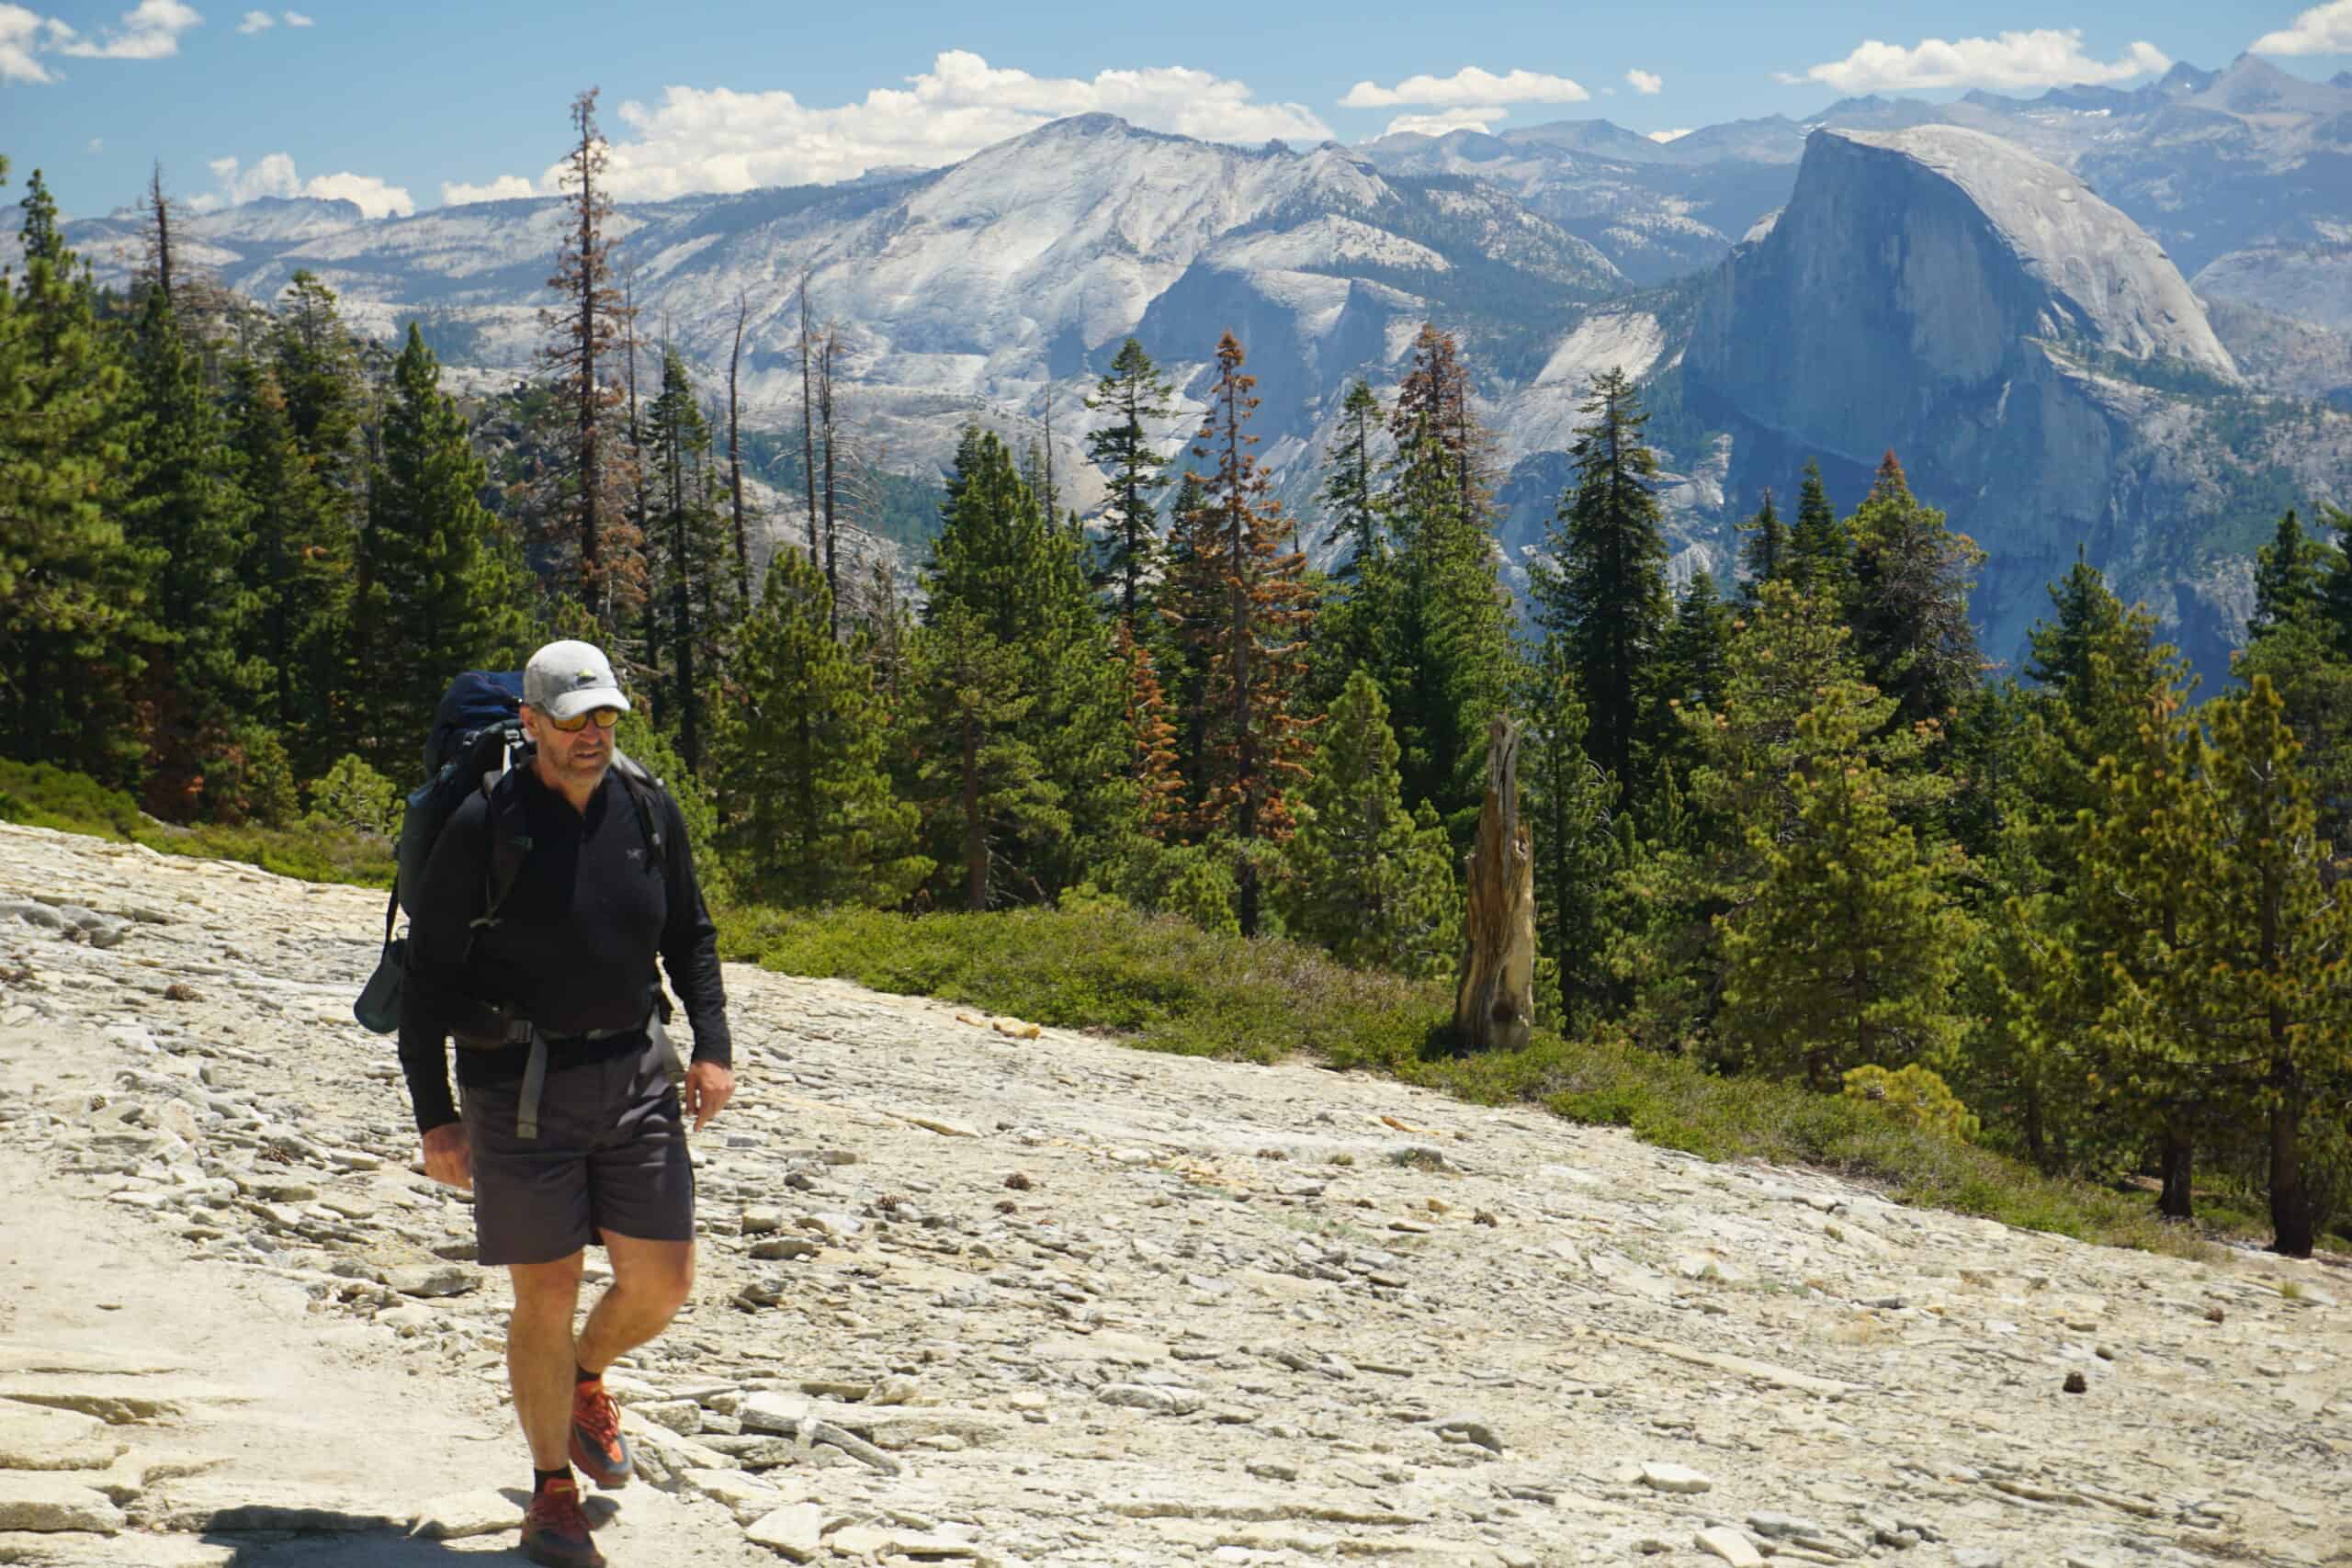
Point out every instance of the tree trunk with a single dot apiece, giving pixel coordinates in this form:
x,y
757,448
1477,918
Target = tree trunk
x,y
2175,1202
833,441
2291,1203
735,465
1493,1002
808,420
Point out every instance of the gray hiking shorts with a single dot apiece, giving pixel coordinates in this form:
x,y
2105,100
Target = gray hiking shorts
x,y
611,1155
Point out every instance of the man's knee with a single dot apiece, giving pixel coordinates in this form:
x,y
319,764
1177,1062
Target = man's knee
x,y
547,1289
660,1274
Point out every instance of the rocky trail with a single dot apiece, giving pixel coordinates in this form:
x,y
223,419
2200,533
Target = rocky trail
x,y
975,1291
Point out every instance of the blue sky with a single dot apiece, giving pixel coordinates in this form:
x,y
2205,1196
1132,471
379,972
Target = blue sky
x,y
407,104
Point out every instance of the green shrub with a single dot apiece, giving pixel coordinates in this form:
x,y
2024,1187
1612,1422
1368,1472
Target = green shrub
x,y
353,796
1917,1096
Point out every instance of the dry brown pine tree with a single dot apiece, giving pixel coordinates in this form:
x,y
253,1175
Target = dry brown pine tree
x,y
1159,788
1247,623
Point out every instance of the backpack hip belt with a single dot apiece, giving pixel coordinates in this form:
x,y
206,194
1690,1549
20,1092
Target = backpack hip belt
x,y
523,1032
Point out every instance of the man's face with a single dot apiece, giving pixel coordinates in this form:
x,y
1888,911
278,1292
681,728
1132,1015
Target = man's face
x,y
578,757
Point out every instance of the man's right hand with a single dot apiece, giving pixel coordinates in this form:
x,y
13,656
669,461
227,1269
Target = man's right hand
x,y
448,1159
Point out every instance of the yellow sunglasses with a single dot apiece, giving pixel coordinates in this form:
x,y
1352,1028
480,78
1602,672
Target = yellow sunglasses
x,y
605,718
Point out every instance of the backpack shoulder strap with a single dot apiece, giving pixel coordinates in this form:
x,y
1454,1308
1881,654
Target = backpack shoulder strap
x,y
645,793
509,847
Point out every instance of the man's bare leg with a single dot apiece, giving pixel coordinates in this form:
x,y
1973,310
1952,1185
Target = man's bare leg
x,y
650,1281
539,1354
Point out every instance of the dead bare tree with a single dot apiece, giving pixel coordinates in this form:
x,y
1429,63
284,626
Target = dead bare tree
x,y
807,416
159,233
581,332
735,457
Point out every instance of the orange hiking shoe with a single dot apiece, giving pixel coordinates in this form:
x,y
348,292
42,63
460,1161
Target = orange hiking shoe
x,y
555,1532
597,1446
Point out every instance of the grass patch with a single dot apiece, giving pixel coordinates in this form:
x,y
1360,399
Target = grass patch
x,y
38,795
1162,985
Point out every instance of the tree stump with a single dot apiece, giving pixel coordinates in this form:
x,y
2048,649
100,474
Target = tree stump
x,y
1494,1001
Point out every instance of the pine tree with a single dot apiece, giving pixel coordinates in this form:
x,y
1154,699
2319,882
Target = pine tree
x,y
75,628
1350,495
693,560
1821,550
298,562
806,809
316,366
2278,959
1569,802
1767,555
187,505
1844,948
1136,398
2336,580
1443,648
1247,598
1158,786
1912,576
1360,876
996,554
1691,667
979,783
1604,594
2287,576
446,589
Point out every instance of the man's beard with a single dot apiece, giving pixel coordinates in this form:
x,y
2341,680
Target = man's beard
x,y
567,765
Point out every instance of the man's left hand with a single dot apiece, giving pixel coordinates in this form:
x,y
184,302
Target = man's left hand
x,y
709,1088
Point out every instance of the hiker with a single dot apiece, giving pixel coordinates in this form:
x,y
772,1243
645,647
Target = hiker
x,y
572,1130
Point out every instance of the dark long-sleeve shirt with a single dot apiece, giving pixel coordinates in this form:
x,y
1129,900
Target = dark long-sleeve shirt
x,y
573,947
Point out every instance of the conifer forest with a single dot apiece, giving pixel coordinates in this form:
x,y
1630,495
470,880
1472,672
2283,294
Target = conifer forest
x,y
1790,822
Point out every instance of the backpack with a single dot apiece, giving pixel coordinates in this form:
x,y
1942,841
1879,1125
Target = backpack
x,y
476,741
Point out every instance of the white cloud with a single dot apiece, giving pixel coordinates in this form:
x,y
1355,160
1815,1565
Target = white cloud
x,y
505,187
257,22
276,175
371,196
1443,120
97,144
1466,86
1646,81
720,140
2047,57
2323,30
297,19
19,32
1669,135
150,30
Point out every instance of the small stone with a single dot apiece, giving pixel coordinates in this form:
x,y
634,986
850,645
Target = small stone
x,y
794,1530
776,1247
461,1514
1977,1557
181,991
434,1279
1730,1545
761,1222
2215,1315
47,1501
683,1417
2078,1384
1664,1477
35,1437
1158,1398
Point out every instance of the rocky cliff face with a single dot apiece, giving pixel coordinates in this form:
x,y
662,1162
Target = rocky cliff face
x,y
2037,361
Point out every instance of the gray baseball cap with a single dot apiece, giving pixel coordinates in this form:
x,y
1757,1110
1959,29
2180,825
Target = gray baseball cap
x,y
564,680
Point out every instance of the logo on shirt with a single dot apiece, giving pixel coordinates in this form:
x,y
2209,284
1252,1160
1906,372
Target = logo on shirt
x,y
637,855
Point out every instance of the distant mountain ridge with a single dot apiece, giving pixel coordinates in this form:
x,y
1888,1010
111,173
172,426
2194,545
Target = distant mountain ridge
x,y
1000,286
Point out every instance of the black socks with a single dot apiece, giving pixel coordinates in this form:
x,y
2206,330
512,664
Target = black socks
x,y
581,1374
539,1478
